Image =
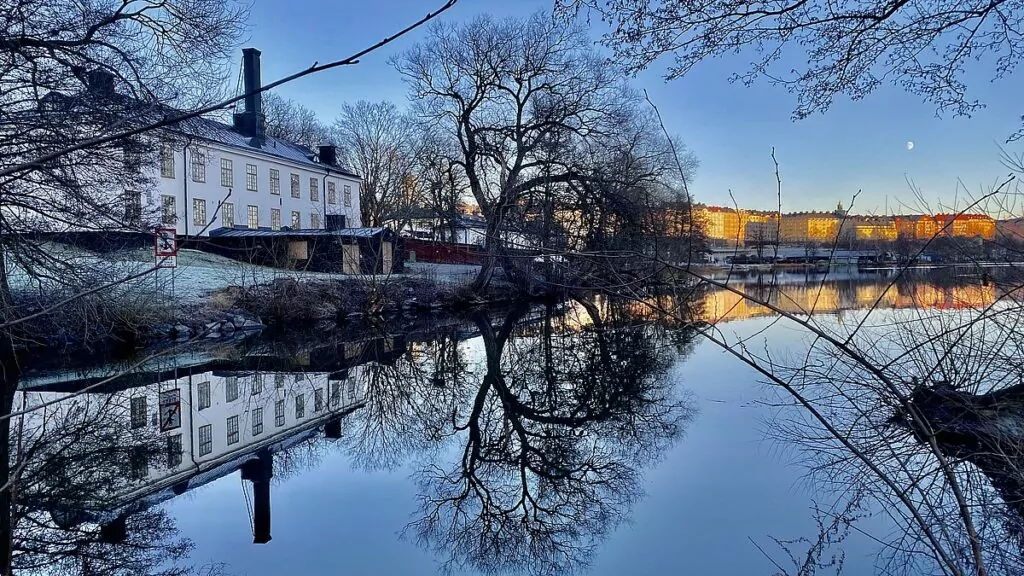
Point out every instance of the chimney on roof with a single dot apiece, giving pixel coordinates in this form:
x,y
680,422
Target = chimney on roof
x,y
100,81
251,122
329,155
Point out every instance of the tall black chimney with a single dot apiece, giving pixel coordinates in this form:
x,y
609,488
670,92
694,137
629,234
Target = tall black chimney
x,y
329,155
251,122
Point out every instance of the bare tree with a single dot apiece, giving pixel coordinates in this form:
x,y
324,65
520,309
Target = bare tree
x,y
378,142
528,105
442,186
553,437
291,121
925,47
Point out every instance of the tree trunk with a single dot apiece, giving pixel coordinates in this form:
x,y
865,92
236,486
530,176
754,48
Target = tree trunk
x,y
483,278
9,381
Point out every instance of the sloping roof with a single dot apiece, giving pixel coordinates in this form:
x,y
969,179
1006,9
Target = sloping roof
x,y
117,105
226,135
258,233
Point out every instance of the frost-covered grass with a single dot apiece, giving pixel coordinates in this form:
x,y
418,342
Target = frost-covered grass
x,y
198,274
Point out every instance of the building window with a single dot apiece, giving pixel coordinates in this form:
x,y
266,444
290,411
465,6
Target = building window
x,y
296,220
318,399
257,384
232,430
250,177
332,194
314,189
279,380
174,451
132,209
314,220
296,193
170,409
138,412
275,218
199,212
231,388
300,407
167,210
227,215
351,390
335,394
257,421
275,181
227,173
204,395
167,161
205,439
139,462
348,196
279,413
199,167
254,216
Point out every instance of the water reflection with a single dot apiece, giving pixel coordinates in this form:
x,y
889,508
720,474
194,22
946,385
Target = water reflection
x,y
533,436
529,430
827,295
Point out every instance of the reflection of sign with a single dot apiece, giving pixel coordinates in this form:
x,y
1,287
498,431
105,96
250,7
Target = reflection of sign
x,y
165,246
170,409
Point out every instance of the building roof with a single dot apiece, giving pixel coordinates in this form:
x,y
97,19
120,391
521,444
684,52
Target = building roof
x,y
225,134
304,233
115,104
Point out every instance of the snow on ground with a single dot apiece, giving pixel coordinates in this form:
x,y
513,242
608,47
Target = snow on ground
x,y
200,273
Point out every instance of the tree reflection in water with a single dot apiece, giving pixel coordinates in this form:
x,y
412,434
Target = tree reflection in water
x,y
544,440
528,431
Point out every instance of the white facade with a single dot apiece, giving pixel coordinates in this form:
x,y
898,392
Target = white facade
x,y
218,418
208,185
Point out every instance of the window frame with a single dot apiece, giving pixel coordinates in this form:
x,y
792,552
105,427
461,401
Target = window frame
x,y
199,211
205,444
279,411
198,165
314,189
226,220
252,212
230,388
296,220
231,430
257,421
296,185
347,196
275,181
174,457
169,218
332,193
300,406
252,178
227,172
275,218
318,400
167,161
203,396
138,412
314,220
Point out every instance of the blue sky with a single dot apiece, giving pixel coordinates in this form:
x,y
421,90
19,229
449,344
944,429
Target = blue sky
x,y
732,128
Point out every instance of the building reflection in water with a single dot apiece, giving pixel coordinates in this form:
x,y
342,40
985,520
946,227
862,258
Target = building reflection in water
x,y
833,297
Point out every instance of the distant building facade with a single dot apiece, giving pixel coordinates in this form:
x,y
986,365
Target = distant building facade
x,y
926,226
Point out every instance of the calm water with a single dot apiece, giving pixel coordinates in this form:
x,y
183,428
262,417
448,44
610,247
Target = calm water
x,y
529,440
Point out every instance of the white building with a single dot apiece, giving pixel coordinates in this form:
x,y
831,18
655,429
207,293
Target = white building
x,y
191,430
214,175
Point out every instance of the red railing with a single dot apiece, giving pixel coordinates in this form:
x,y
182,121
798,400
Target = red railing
x,y
443,252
